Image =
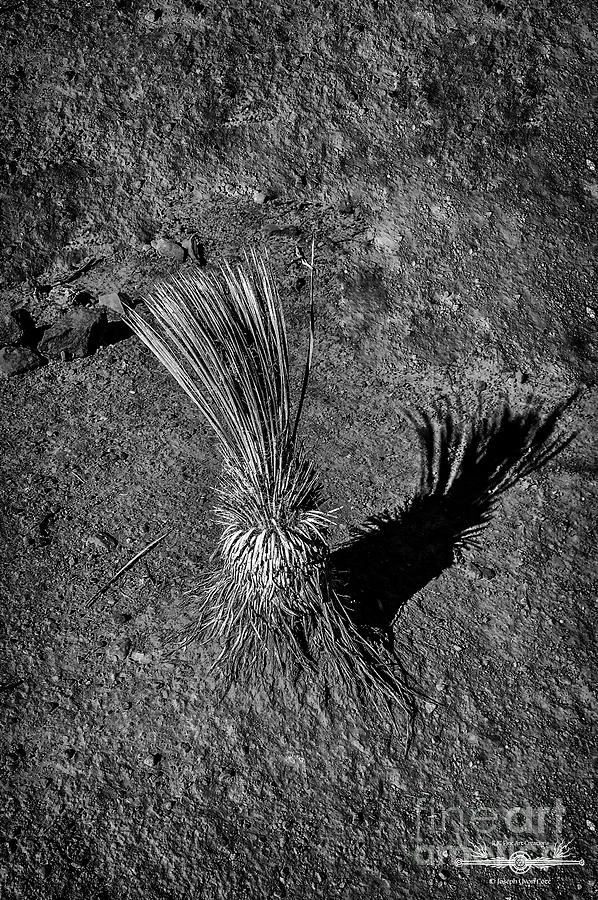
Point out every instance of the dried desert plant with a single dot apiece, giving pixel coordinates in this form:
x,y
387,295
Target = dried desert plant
x,y
267,597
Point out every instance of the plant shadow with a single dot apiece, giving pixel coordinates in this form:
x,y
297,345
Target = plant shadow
x,y
466,467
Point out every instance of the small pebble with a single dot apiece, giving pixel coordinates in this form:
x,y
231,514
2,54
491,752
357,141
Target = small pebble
x,y
111,301
62,295
170,249
103,541
152,759
263,196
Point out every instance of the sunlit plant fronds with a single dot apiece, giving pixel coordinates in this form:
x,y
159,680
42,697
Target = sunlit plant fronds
x,y
267,598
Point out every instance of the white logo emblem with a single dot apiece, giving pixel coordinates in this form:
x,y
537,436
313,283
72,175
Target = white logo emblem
x,y
520,862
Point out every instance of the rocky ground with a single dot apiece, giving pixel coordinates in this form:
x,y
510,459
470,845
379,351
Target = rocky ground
x,y
444,158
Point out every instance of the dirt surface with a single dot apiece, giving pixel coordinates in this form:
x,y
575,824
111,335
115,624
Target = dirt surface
x,y
444,157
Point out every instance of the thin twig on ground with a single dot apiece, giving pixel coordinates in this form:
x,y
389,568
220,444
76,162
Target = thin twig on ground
x,y
127,566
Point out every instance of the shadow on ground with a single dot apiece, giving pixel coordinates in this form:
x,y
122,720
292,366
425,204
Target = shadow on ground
x,y
466,466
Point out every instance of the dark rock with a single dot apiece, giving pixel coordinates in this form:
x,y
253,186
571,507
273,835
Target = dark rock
x,y
16,327
16,360
77,333
292,231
